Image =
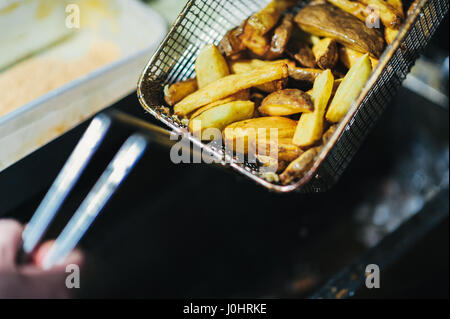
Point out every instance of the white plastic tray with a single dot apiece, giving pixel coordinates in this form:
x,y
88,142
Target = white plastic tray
x,y
137,33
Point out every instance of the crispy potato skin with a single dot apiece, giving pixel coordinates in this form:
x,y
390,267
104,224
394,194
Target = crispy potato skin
x,y
310,126
326,53
328,20
220,116
258,44
304,74
178,91
210,66
229,85
302,53
281,37
232,44
349,89
300,166
286,102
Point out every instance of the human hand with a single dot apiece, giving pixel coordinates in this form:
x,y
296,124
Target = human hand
x,y
29,280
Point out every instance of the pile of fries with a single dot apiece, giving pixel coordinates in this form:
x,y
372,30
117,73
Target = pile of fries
x,y
296,74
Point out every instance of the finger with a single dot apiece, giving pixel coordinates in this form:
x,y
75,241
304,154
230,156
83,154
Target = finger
x,y
76,257
10,241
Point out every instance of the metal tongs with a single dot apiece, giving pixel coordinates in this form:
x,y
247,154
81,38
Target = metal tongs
x,y
117,170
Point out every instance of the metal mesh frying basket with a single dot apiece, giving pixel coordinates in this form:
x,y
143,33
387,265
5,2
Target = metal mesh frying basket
x,y
206,21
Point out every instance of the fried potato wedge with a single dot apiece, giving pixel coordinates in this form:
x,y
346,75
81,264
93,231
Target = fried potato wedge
x,y
327,20
210,66
353,7
326,53
176,92
280,38
389,16
304,74
240,135
231,44
220,116
302,53
230,85
266,19
258,44
299,167
310,126
349,89
349,57
211,105
286,102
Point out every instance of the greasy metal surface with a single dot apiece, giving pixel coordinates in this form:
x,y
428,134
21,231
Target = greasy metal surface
x,y
206,21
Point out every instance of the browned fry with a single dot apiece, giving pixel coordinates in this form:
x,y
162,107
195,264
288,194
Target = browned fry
x,y
301,52
243,95
299,167
286,102
281,37
266,19
231,44
178,91
258,44
304,74
327,20
389,15
326,53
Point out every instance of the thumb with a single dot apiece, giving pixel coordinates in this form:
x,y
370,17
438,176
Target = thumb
x,y
10,241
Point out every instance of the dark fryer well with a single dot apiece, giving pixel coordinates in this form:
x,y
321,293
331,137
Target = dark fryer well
x,y
206,21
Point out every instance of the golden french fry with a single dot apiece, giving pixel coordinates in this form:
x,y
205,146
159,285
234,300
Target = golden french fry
x,y
388,14
243,95
241,135
286,102
284,149
220,116
229,85
176,92
353,7
266,19
310,126
231,44
299,167
390,35
326,53
349,89
349,57
211,105
210,66
412,7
